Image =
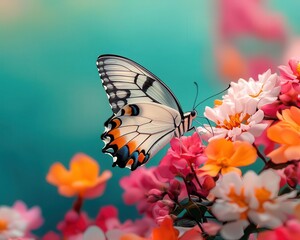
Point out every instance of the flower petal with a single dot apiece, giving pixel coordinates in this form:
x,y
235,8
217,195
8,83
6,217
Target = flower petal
x,y
234,230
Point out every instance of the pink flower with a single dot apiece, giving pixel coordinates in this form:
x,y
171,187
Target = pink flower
x,y
162,209
289,231
290,175
291,72
207,183
107,218
51,236
31,216
184,152
137,186
290,83
263,139
142,227
290,89
249,17
73,224
271,109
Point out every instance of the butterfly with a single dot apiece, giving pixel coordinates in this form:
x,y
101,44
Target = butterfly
x,y
146,114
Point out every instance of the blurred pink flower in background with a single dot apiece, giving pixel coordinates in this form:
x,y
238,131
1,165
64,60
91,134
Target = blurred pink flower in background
x,y
12,224
137,186
242,21
292,49
249,17
74,224
108,219
141,227
51,236
289,231
32,216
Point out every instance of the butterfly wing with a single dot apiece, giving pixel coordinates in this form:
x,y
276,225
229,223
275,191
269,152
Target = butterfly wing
x,y
138,131
127,82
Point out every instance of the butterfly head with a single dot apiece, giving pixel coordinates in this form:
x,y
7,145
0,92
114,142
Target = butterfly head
x,y
193,114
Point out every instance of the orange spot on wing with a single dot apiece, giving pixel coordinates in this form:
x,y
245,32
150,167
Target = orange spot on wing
x,y
120,142
141,157
128,110
130,162
131,147
117,121
115,133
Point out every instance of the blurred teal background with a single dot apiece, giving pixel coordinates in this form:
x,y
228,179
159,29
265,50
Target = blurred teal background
x,y
52,104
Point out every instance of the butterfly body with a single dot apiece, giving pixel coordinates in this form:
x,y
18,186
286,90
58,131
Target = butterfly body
x,y
146,114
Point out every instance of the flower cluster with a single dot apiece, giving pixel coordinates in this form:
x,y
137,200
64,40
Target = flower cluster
x,y
202,188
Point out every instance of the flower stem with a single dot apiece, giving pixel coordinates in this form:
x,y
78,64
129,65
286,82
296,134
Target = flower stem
x,y
261,156
77,205
195,175
187,188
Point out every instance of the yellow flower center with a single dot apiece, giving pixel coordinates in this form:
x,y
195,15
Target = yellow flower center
x,y
234,121
238,199
3,225
262,195
218,102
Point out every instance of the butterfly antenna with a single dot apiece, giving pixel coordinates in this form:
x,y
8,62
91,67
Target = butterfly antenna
x,y
197,90
211,97
207,120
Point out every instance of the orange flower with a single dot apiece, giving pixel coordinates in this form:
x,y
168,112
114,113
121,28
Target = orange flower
x,y
165,231
225,156
287,133
82,179
131,236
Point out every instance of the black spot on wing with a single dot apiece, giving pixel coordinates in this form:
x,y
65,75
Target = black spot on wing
x,y
148,83
135,109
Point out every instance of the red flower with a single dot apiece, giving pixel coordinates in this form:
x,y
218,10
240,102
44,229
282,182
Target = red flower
x,y
73,224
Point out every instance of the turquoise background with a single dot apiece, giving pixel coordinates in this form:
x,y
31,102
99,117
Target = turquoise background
x,y
52,104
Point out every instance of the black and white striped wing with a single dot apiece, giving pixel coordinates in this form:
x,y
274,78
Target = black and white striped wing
x,y
127,82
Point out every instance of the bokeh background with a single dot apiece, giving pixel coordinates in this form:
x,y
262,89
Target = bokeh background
x,y
52,104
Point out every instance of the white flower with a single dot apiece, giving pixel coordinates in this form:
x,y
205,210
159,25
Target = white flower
x,y
253,197
93,233
231,205
267,209
11,223
236,120
259,92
